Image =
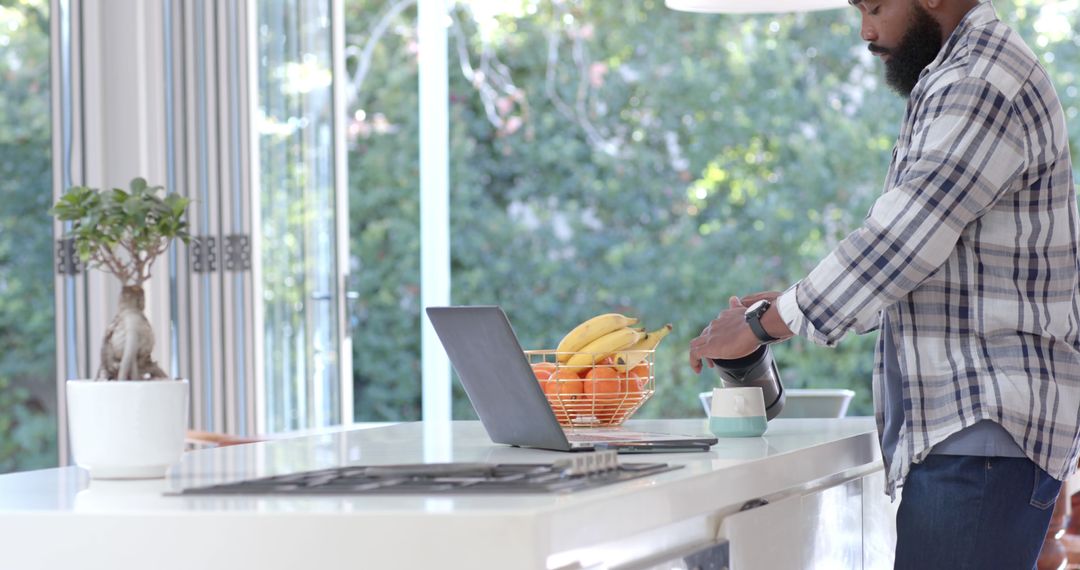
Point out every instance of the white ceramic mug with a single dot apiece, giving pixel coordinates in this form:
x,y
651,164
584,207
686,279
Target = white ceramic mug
x,y
737,412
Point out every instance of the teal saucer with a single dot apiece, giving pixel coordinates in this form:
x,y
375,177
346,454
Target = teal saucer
x,y
751,426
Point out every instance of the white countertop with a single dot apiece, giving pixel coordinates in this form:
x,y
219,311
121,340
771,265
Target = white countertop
x,y
57,517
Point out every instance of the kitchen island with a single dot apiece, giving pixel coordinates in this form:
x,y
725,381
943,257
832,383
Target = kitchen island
x,y
808,494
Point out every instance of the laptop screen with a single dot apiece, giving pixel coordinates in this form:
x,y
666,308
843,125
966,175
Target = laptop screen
x,y
496,376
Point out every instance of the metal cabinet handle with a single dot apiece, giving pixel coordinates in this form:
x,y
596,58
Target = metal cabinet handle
x,y
713,556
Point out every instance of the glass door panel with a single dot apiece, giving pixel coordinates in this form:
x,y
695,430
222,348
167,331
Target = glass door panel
x,y
383,130
299,272
28,409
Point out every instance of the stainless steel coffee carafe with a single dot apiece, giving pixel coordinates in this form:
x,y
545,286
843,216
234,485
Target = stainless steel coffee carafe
x,y
755,369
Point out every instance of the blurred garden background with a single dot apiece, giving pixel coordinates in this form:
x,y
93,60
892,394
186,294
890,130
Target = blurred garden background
x,y
620,156
605,156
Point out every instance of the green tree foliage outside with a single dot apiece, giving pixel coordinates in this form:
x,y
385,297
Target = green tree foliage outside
x,y
605,156
27,348
622,156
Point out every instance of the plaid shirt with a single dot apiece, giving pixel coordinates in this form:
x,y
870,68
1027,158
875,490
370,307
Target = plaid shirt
x,y
971,251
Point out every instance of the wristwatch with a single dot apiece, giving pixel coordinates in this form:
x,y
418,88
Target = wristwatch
x,y
753,318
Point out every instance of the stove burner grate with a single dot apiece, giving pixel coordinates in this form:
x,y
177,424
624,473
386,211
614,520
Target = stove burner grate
x,y
584,471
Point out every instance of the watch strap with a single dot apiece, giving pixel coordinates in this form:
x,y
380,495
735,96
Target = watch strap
x,y
753,318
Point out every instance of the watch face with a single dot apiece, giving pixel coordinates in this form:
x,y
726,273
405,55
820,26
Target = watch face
x,y
761,305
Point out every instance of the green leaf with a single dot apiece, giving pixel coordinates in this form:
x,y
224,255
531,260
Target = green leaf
x,y
141,217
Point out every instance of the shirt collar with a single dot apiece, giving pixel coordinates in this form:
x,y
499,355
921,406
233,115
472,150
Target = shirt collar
x,y
977,17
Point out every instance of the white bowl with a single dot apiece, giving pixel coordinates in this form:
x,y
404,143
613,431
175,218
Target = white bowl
x,y
804,402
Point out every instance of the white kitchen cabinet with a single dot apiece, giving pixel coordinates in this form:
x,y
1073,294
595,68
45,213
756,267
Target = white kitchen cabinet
x,y
833,525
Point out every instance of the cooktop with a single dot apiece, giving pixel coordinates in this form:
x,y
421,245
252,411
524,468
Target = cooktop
x,y
580,472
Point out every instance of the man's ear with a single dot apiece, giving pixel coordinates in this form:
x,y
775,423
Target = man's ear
x,y
931,5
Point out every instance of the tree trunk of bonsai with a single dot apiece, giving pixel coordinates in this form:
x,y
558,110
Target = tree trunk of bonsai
x,y
127,349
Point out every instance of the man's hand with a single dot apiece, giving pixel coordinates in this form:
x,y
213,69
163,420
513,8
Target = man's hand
x,y
726,337
770,296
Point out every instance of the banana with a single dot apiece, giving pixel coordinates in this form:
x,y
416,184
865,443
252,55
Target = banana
x,y
590,330
603,347
631,357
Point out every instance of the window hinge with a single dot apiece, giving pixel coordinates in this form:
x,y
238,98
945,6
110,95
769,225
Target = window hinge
x,y
67,261
203,254
237,252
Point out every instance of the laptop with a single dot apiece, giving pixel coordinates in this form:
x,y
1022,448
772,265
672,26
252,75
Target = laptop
x,y
499,382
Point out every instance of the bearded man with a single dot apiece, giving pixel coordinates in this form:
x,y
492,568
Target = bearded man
x,y
968,266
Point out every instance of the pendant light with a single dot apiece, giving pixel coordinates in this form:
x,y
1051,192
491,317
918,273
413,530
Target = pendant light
x,y
753,6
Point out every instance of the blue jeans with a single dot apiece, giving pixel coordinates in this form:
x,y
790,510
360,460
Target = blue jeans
x,y
961,511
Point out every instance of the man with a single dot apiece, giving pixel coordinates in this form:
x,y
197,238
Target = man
x,y
968,265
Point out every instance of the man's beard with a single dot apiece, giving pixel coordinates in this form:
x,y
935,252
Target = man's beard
x,y
917,49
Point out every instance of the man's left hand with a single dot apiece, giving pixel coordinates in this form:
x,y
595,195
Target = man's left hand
x,y
727,337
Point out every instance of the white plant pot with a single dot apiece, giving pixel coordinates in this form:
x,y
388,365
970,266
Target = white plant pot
x,y
129,429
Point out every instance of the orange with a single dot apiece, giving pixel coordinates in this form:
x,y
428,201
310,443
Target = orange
x,y
543,370
563,383
608,389
637,378
603,380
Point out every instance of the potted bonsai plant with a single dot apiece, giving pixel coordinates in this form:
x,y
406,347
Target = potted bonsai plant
x,y
130,420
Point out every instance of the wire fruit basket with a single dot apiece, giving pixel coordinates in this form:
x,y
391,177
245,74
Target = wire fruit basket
x,y
595,395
